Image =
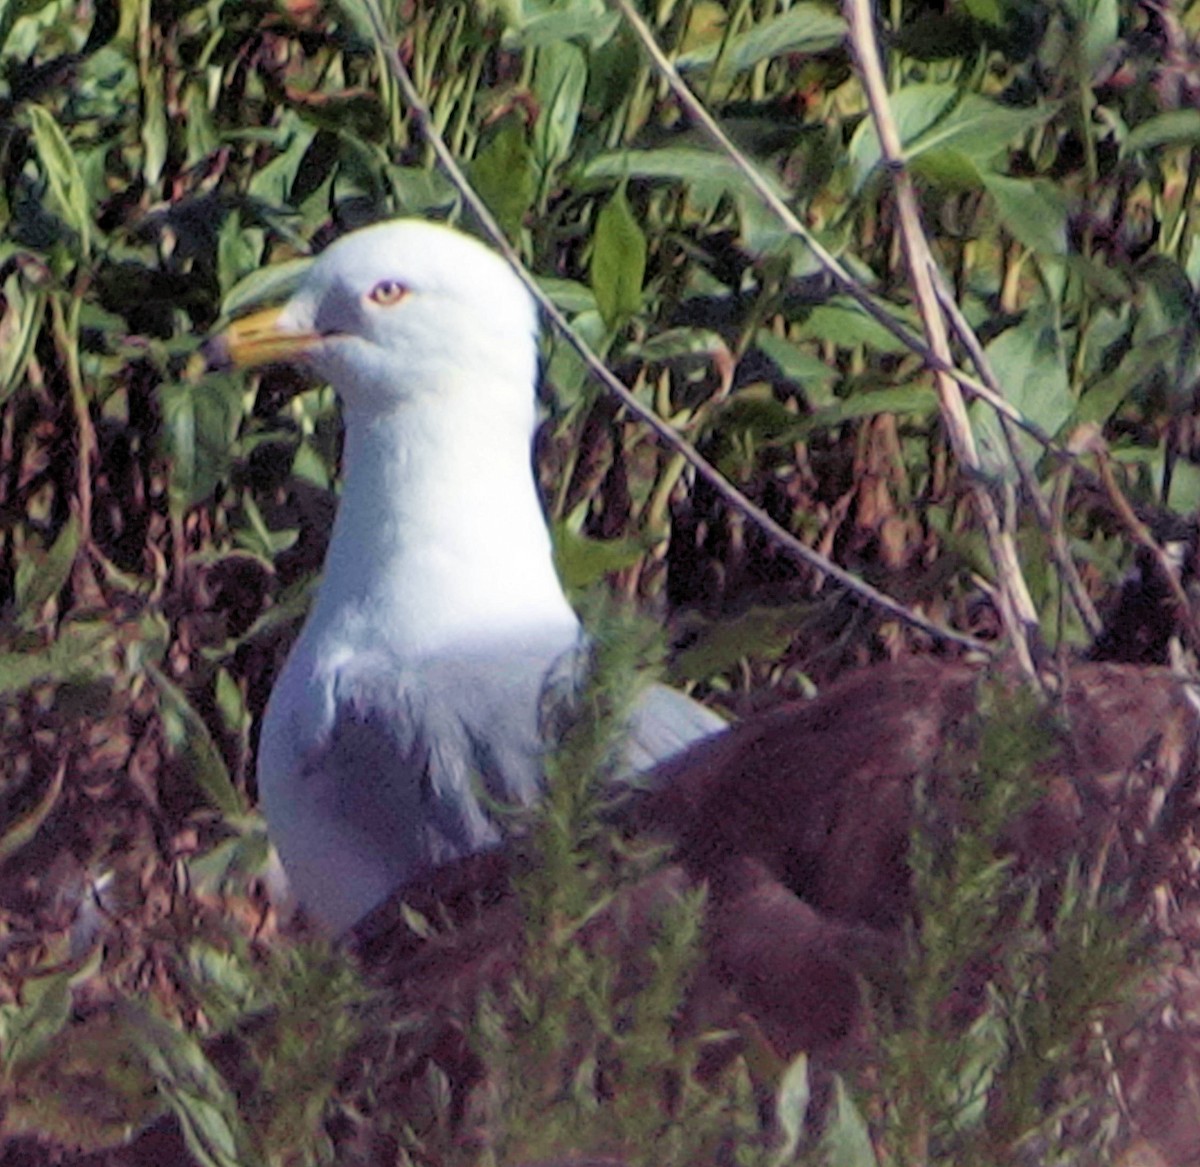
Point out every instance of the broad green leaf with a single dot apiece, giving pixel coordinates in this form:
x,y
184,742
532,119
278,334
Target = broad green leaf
x,y
41,577
847,1139
844,324
582,561
811,373
1176,127
704,169
903,399
1030,363
569,296
14,10
153,127
264,285
22,829
22,317
240,254
803,28
1034,213
1102,399
27,1027
978,127
257,537
80,653
791,1109
915,109
193,1088
192,744
680,343
934,117
946,168
200,130
565,372
200,423
721,645
61,166
559,81
274,182
231,862
584,21
1098,22
618,261
987,11
503,174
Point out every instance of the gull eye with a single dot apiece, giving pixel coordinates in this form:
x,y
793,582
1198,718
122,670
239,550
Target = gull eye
x,y
387,292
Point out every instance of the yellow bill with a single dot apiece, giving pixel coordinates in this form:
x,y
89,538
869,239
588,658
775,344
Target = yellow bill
x,y
258,339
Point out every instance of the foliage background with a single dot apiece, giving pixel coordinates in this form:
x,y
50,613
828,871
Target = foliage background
x,y
161,527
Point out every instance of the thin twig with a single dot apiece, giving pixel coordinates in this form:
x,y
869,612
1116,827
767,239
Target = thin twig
x,y
1140,534
732,496
837,272
1017,610
1059,551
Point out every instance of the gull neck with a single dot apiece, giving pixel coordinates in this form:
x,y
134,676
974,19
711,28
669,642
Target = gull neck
x,y
440,540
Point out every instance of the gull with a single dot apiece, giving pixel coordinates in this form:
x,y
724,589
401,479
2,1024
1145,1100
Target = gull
x,y
408,709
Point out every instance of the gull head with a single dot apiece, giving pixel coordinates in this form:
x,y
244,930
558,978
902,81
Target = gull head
x,y
398,313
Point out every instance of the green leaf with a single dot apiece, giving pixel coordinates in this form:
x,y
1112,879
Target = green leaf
x,y
902,399
803,28
1103,398
559,81
272,282
257,537
706,170
618,261
153,127
25,827
503,174
1176,127
581,561
569,296
565,370
1034,213
200,423
847,1140
1031,366
274,182
80,653
1098,22
844,324
61,166
721,645
41,577
791,1109
934,118
582,21
192,744
811,373
193,1088
28,1027
24,308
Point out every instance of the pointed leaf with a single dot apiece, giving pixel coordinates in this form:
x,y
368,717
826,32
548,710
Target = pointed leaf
x,y
66,180
618,261
192,743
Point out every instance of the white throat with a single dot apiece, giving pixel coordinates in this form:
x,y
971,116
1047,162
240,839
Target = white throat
x,y
440,542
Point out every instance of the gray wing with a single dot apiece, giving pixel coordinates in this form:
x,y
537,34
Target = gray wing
x,y
385,771
395,769
666,722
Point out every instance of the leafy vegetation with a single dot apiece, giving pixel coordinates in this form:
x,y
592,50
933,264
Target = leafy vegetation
x,y
162,166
